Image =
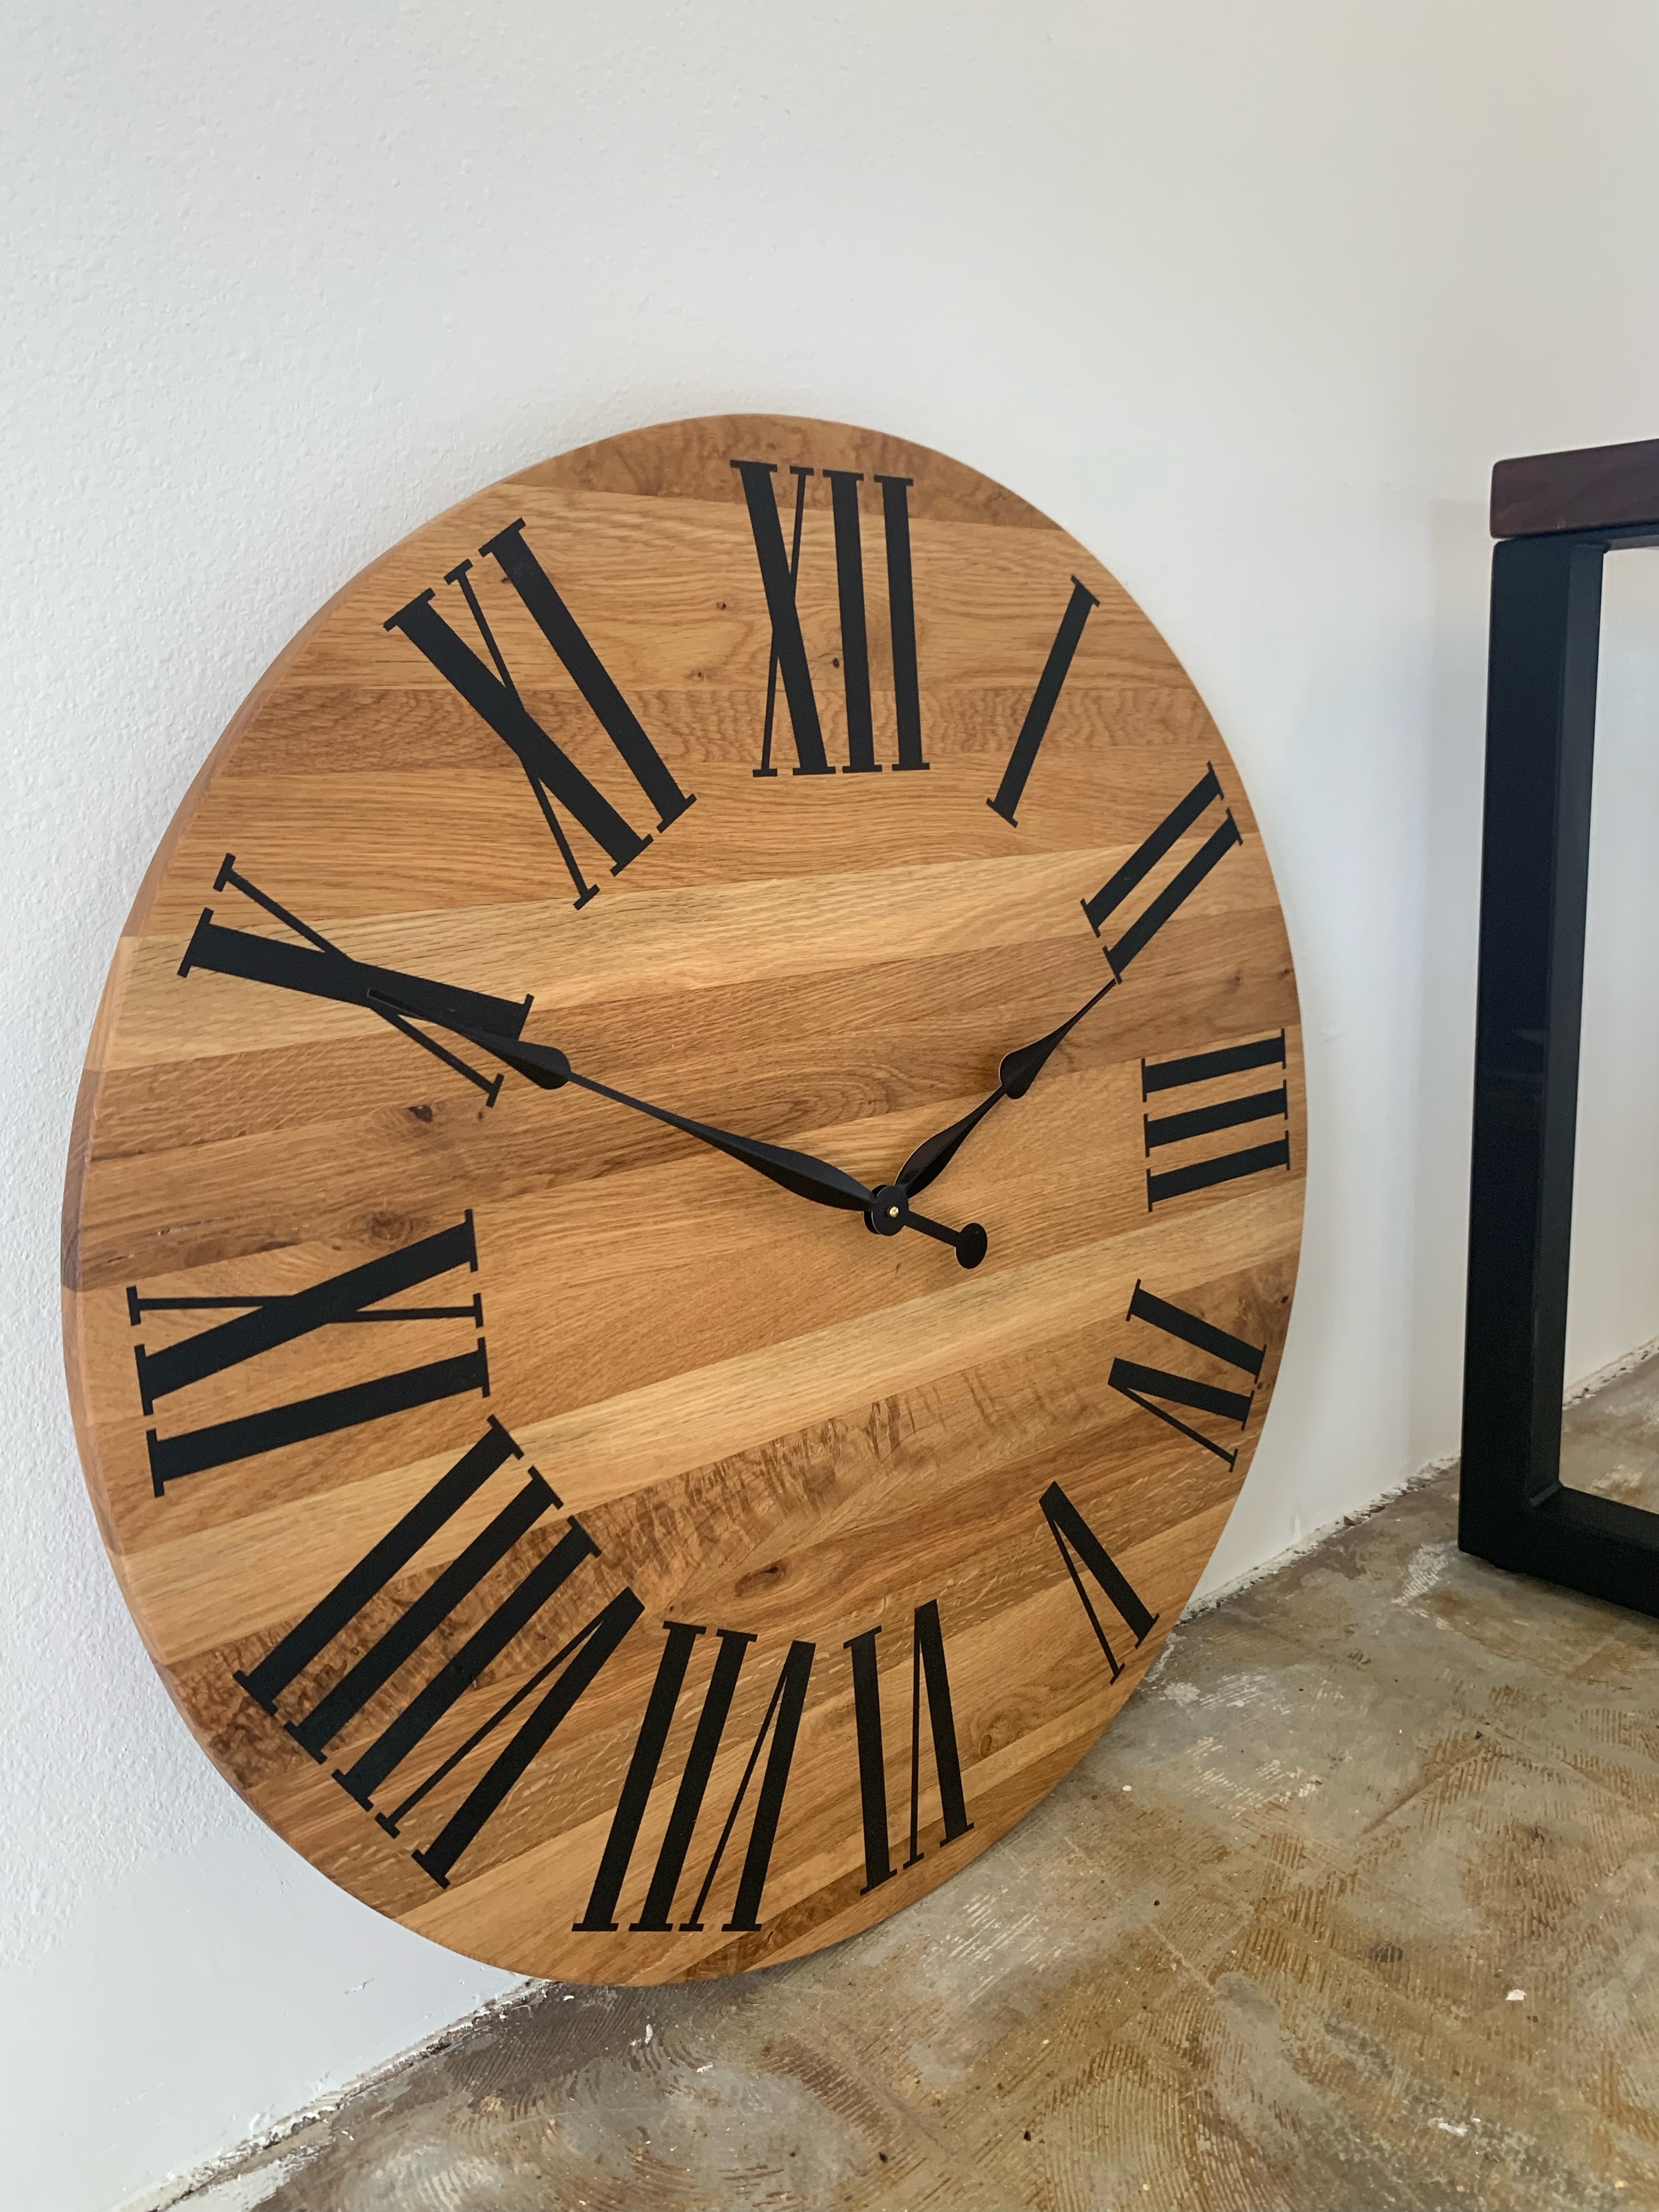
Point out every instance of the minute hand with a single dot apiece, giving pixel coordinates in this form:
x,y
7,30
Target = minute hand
x,y
1019,1070
801,1173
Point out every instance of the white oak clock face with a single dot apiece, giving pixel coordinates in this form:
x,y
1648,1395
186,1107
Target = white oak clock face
x,y
685,1199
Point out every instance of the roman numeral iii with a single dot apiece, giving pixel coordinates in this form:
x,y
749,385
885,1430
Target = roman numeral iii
x,y
491,692
1155,1389
1081,1549
775,1738
318,969
1134,937
560,1680
779,574
1178,1127
263,1322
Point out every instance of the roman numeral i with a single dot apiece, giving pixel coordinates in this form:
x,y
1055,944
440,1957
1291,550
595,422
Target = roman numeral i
x,y
780,575
491,692
262,1323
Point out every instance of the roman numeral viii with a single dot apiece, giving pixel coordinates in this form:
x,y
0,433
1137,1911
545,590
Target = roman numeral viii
x,y
1155,1389
1080,1548
775,1738
554,1685
263,1322
491,692
779,574
1167,1127
1134,937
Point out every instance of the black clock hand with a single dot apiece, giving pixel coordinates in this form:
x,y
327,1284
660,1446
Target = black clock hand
x,y
887,1210
1019,1070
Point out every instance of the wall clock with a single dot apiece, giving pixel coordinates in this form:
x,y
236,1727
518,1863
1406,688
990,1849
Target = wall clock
x,y
685,1199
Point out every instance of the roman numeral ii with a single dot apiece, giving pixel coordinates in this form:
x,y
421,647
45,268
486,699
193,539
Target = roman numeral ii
x,y
263,1322
1177,1127
491,692
1135,936
1147,1387
780,573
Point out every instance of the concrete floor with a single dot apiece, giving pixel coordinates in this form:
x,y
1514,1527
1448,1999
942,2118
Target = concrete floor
x,y
1356,1906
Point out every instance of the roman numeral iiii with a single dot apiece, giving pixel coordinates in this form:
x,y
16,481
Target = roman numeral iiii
x,y
263,1322
1166,1128
1155,1389
492,693
1134,937
554,1686
779,574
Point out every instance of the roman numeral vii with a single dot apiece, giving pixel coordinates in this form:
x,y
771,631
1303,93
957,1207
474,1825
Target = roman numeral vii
x,y
491,692
264,1322
780,573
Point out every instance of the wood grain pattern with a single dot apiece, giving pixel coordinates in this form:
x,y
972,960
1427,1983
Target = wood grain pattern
x,y
761,1419
1592,488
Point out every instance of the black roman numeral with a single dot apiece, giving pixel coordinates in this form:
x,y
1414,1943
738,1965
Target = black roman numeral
x,y
566,1675
781,1724
553,775
927,1659
1206,1120
1138,935
1144,1385
263,1322
1077,1542
1044,700
319,969
780,573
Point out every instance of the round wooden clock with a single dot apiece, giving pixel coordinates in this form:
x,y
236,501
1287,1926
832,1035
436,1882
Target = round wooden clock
x,y
685,1199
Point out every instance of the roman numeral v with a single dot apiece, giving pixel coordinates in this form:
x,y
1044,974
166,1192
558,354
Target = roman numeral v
x,y
491,692
264,1322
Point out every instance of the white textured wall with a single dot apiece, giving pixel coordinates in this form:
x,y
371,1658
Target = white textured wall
x,y
1248,298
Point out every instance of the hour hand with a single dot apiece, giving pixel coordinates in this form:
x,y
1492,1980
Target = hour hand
x,y
886,1211
1019,1070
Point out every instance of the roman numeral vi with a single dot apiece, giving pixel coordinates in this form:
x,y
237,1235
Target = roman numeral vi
x,y
263,1322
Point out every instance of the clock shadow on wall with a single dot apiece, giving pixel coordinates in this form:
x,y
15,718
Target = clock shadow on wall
x,y
685,1200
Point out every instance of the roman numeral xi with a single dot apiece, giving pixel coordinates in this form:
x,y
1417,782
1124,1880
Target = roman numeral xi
x,y
779,574
491,692
262,1322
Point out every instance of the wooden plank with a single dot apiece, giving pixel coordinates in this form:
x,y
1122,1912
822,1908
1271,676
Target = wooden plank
x,y
1588,487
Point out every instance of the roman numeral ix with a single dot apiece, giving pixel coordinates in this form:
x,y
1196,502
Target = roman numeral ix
x,y
1134,937
1173,1129
492,693
556,1686
779,574
1147,1387
775,1738
263,1322
319,969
